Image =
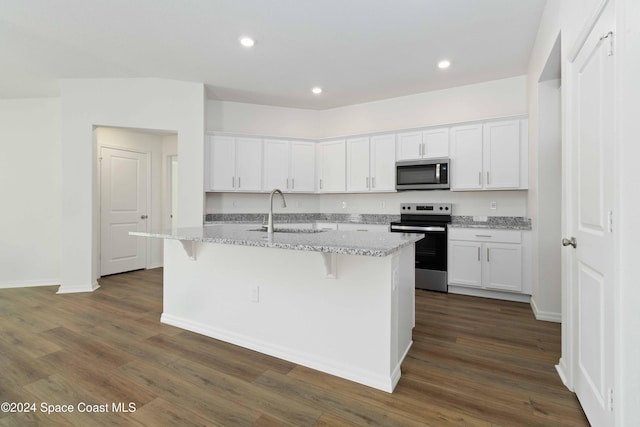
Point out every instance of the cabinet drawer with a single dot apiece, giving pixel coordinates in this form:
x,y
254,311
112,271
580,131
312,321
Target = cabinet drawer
x,y
485,235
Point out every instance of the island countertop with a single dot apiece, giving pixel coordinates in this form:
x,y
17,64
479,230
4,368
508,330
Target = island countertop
x,y
377,244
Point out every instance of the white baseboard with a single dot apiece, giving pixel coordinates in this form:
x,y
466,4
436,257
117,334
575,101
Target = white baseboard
x,y
78,288
380,382
149,267
562,372
547,316
483,293
29,283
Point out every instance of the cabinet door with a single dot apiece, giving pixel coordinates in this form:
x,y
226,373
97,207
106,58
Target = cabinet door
x,y
358,164
303,166
466,157
409,145
276,164
332,166
383,165
248,164
501,142
465,263
222,163
503,267
435,143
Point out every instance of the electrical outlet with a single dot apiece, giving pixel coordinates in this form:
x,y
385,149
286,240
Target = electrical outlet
x,y
383,204
255,294
493,205
344,205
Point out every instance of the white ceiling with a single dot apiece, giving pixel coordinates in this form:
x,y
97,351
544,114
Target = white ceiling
x,y
357,50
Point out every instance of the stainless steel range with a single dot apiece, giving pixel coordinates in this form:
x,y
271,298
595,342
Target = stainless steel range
x,y
430,219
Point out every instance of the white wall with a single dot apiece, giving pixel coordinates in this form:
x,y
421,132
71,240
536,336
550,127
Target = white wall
x,y
496,98
153,144
30,191
131,103
506,97
265,120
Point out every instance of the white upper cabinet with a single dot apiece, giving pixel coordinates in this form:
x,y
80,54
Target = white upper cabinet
x,y
466,157
426,144
277,154
358,164
234,164
331,165
489,156
289,165
382,162
303,166
371,163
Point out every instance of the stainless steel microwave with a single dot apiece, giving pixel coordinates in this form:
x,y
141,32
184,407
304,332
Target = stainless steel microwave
x,y
428,174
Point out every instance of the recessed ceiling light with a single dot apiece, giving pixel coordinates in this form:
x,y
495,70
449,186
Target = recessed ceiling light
x,y
317,90
247,41
444,64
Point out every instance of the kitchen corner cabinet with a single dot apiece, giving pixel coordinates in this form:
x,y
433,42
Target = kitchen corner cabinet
x,y
426,144
489,156
233,163
289,165
371,163
331,166
488,259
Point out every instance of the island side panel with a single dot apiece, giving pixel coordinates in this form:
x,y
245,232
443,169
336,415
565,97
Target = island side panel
x,y
345,326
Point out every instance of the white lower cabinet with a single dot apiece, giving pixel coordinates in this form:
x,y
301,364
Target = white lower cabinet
x,y
489,259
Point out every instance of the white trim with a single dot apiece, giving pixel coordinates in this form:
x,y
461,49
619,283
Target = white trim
x,y
590,23
312,361
29,283
483,293
77,289
548,316
561,368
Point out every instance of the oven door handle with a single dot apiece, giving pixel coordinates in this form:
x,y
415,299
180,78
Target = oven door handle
x,y
411,228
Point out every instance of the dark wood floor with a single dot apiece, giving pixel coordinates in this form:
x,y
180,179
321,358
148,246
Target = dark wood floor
x,y
474,362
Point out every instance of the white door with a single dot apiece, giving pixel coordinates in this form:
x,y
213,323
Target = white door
x,y
591,188
123,192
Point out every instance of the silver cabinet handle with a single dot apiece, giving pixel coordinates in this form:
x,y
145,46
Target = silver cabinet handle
x,y
420,150
239,185
233,182
478,253
424,149
287,183
479,178
373,182
321,183
487,254
488,182
293,183
367,179
484,235
570,242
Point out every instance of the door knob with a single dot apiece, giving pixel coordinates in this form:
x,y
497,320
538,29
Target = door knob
x,y
570,242
143,217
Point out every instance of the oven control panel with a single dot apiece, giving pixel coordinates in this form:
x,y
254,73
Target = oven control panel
x,y
426,208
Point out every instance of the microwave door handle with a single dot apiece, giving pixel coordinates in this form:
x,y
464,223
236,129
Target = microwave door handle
x,y
438,173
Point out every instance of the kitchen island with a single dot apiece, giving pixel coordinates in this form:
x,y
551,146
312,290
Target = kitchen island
x,y
341,302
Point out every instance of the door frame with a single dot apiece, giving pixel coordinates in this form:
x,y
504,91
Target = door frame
x,y
147,155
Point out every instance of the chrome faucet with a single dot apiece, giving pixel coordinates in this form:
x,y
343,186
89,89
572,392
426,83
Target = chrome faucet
x,y
284,205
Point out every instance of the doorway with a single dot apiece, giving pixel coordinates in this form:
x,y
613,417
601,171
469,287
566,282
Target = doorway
x,y
134,192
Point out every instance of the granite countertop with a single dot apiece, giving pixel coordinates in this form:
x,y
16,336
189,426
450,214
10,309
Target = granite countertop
x,y
495,222
378,244
283,218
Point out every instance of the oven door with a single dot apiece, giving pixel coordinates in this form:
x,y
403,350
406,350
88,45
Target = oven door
x,y
431,255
